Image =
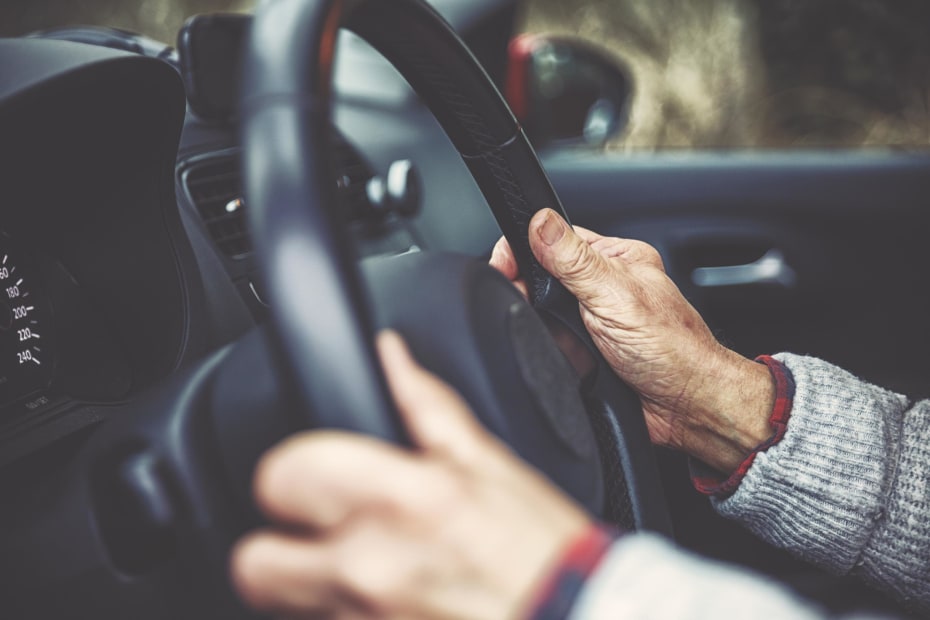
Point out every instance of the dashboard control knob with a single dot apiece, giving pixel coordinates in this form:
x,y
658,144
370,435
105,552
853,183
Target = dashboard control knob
x,y
399,192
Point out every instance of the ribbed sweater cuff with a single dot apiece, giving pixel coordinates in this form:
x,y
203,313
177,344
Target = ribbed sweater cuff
x,y
821,491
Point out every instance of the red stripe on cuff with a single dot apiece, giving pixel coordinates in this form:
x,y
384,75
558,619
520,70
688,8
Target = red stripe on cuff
x,y
562,586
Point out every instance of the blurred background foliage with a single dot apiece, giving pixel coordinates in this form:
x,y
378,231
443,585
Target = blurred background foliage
x,y
854,71
707,73
761,73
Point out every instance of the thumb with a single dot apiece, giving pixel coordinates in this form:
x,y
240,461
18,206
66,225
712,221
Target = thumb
x,y
568,257
437,418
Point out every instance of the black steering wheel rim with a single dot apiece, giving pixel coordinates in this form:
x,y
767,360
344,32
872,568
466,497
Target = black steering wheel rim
x,y
323,328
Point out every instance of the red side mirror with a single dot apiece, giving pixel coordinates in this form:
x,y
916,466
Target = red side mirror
x,y
565,91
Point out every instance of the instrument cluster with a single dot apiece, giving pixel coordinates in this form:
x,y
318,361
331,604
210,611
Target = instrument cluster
x,y
52,343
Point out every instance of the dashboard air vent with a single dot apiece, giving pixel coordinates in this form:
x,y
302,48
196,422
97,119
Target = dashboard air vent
x,y
215,187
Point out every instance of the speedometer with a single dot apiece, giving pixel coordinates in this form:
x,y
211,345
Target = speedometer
x,y
25,362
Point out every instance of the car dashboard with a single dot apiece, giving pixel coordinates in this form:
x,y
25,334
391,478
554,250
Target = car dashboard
x,y
125,244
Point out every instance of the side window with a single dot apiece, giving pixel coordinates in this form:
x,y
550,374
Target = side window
x,y
721,74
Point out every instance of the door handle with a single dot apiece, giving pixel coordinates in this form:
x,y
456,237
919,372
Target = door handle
x,y
770,269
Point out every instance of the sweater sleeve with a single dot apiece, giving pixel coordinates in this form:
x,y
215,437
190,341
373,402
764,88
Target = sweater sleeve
x,y
645,577
848,487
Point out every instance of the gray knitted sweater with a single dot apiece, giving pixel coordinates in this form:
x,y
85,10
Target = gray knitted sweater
x,y
847,488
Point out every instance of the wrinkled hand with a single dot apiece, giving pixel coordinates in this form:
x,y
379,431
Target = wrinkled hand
x,y
459,528
697,395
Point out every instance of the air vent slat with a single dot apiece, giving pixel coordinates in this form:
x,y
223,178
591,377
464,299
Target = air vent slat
x,y
215,186
220,176
234,237
223,217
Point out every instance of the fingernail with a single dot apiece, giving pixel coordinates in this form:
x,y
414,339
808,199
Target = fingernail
x,y
552,229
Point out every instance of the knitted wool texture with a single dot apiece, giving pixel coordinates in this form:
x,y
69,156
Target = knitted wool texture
x,y
847,488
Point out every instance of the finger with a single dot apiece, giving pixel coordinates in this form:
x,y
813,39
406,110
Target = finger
x,y
503,260
571,259
321,480
437,418
283,574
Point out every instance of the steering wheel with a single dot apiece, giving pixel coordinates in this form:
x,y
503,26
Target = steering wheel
x,y
494,348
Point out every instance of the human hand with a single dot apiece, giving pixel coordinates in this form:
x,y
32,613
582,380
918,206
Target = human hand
x,y
697,395
457,528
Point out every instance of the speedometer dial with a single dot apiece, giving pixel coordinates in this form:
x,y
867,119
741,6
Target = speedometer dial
x,y
25,361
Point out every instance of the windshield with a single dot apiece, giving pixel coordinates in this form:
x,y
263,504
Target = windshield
x,y
714,74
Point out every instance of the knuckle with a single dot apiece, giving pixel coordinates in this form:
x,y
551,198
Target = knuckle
x,y
445,495
579,262
365,579
282,467
427,501
651,255
269,481
641,252
646,249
